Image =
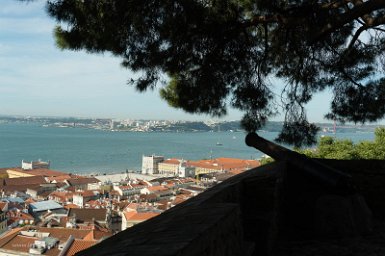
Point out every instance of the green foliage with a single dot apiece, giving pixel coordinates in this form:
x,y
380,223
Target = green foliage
x,y
332,148
221,53
266,160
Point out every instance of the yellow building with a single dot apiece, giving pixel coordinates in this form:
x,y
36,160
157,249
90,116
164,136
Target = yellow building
x,y
223,165
169,167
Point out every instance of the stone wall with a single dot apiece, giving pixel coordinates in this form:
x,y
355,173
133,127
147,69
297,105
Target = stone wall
x,y
251,213
369,178
232,218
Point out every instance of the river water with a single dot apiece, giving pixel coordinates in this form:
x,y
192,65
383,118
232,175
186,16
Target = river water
x,y
80,150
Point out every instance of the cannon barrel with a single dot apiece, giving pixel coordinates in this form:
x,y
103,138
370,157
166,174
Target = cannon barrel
x,y
310,167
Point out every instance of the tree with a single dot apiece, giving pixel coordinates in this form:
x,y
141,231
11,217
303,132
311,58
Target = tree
x,y
336,149
216,53
332,148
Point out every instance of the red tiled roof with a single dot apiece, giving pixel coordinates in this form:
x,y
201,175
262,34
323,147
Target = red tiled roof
x,y
148,197
225,163
40,172
140,216
88,193
19,243
29,201
64,195
129,214
70,206
179,199
99,234
59,178
82,181
32,180
86,215
79,245
63,233
157,188
9,235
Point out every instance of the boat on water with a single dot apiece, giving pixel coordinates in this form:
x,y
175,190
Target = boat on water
x,y
219,144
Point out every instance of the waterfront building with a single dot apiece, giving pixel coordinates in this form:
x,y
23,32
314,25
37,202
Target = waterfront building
x,y
176,167
222,165
22,183
169,167
186,171
150,164
19,172
35,165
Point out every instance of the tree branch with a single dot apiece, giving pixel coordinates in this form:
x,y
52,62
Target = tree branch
x,y
356,36
357,11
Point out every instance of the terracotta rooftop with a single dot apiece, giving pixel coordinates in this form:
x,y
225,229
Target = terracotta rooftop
x,y
69,206
140,216
60,178
30,201
63,233
19,243
225,164
24,180
148,197
40,172
87,215
157,188
88,193
100,234
62,194
9,235
79,245
82,181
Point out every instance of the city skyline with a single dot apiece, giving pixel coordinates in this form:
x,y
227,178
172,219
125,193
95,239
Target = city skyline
x,y
38,79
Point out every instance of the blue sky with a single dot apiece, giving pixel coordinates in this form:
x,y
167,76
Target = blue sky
x,y
38,79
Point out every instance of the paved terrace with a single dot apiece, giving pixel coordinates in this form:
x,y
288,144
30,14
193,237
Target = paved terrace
x,y
270,210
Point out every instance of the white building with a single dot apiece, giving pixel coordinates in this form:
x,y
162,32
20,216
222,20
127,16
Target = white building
x,y
35,165
186,171
150,164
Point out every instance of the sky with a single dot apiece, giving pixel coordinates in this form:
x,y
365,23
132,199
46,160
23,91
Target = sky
x,y
38,79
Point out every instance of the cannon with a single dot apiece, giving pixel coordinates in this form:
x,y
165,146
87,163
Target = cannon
x,y
320,172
